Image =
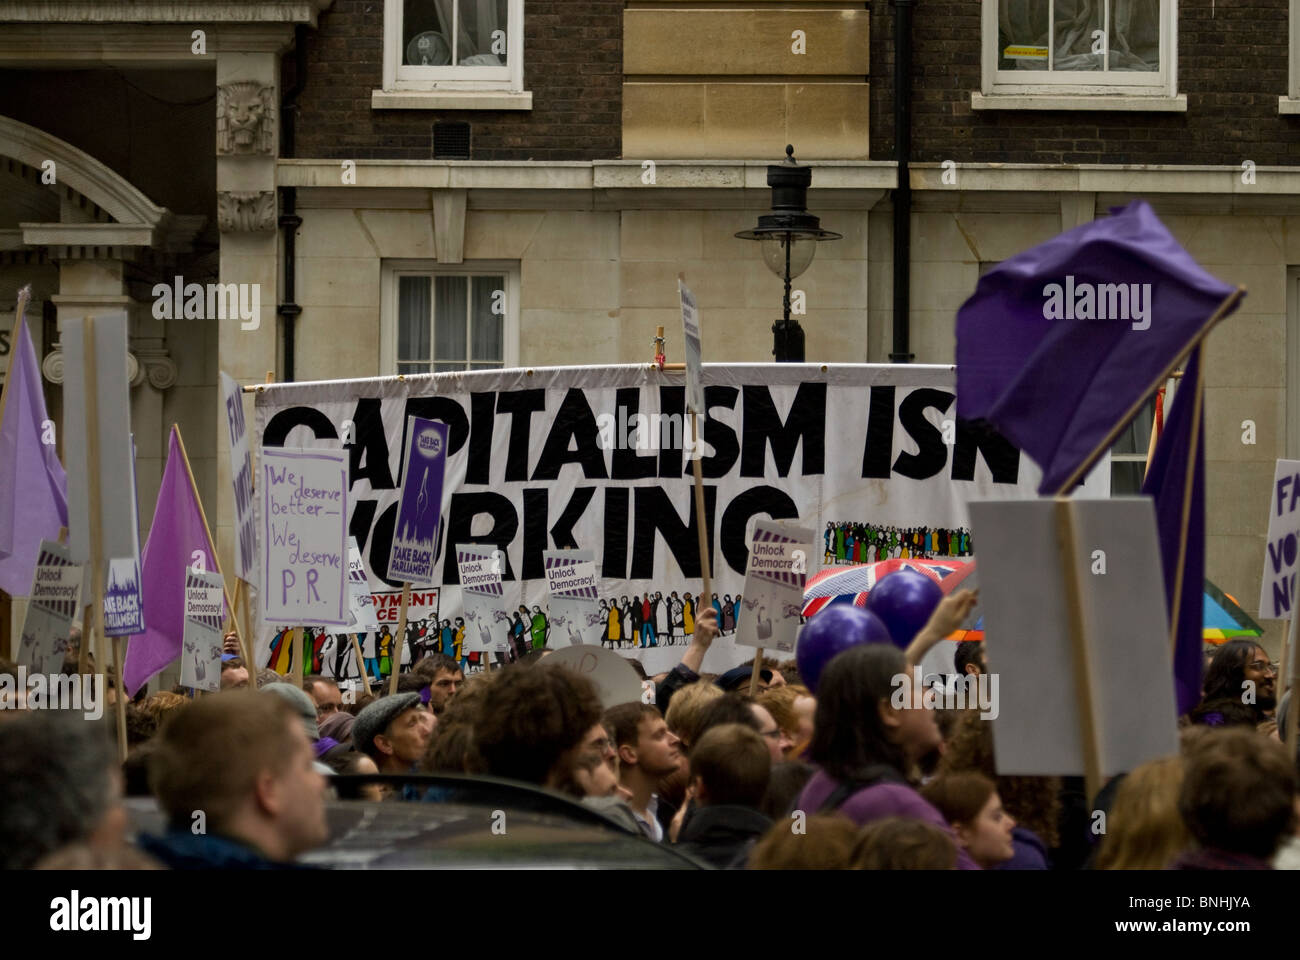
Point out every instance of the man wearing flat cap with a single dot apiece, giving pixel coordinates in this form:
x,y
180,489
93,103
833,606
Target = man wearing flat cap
x,y
394,732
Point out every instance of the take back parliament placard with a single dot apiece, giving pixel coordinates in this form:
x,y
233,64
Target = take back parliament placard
x,y
411,559
774,582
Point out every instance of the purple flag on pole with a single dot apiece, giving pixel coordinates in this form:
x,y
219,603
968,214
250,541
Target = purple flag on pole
x,y
177,532
1059,344
1166,482
33,486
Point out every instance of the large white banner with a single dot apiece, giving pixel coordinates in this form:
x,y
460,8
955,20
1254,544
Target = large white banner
x,y
591,458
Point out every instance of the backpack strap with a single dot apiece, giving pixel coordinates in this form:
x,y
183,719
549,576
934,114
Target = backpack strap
x,y
873,775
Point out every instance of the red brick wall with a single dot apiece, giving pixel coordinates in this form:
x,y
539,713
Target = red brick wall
x,y
573,61
1232,66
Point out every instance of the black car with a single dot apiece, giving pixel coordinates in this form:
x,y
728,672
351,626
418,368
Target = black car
x,y
465,823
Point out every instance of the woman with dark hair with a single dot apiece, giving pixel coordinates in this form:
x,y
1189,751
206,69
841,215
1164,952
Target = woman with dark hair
x,y
864,744
1241,673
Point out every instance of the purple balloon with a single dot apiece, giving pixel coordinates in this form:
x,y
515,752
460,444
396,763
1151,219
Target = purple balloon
x,y
904,600
831,631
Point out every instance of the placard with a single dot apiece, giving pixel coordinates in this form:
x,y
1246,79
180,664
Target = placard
x,y
574,602
304,505
361,602
1277,588
55,598
772,603
615,680
411,559
487,624
241,477
201,641
1027,624
110,418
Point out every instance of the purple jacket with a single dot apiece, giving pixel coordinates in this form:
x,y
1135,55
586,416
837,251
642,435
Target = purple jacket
x,y
878,802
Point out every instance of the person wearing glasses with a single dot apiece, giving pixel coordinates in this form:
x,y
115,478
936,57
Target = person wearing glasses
x,y
1241,672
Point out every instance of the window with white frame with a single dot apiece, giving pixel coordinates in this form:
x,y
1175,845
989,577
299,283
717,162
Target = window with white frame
x,y
448,45
1059,47
439,319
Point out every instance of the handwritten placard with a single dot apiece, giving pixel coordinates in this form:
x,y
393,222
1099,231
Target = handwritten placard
x,y
305,536
411,557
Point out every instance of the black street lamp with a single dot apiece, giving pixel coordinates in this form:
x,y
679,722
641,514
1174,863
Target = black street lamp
x,y
789,235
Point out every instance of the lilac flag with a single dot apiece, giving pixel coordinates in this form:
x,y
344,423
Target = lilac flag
x,y
177,532
1059,344
33,486
1166,482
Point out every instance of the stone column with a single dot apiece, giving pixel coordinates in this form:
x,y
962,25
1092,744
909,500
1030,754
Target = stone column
x,y
248,97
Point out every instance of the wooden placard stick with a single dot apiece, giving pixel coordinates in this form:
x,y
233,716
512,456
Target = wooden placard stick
x,y
295,664
246,647
700,518
1083,679
395,648
1190,475
361,663
20,312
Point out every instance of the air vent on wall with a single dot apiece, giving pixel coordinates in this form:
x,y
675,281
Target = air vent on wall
x,y
451,141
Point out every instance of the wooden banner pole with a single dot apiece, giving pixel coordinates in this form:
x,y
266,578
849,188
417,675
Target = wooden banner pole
x,y
83,653
295,664
1198,397
1083,685
701,521
245,647
361,663
91,378
20,313
399,638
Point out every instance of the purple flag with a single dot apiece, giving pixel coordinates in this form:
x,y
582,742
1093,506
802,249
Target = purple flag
x,y
33,486
1166,482
177,532
1061,343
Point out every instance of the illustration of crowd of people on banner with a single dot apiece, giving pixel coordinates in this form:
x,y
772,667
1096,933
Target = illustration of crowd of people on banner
x,y
596,459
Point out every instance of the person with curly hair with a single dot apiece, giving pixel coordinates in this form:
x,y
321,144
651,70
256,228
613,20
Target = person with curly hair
x,y
532,723
1033,802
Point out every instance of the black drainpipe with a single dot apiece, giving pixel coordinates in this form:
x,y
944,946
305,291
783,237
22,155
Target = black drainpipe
x,y
289,221
903,193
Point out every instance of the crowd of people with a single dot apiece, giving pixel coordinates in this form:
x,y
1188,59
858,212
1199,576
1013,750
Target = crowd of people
x,y
836,777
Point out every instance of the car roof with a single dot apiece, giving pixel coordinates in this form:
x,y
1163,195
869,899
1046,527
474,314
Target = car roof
x,y
462,822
